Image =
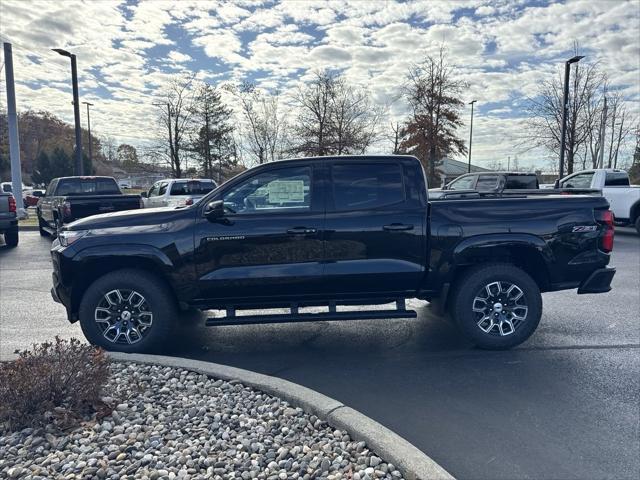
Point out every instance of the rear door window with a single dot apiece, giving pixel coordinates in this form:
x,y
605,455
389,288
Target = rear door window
x,y
366,186
616,179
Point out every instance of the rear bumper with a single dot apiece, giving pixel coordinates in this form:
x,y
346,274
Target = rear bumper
x,y
598,282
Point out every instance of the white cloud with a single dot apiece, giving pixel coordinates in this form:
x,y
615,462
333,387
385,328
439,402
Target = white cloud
x,y
504,49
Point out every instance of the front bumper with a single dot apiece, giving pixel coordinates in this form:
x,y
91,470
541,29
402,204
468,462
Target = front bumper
x,y
598,282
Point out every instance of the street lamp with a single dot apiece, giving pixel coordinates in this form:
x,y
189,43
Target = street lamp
x,y
89,127
471,133
76,108
565,106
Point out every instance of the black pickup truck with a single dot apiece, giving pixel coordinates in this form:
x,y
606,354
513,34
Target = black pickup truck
x,y
331,231
71,198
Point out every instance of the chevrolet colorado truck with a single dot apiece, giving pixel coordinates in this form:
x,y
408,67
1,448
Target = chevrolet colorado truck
x,y
624,198
70,198
331,231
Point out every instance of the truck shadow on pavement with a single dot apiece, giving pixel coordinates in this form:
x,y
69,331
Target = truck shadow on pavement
x,y
262,347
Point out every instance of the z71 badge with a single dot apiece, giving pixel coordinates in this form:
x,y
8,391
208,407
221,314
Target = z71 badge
x,y
584,228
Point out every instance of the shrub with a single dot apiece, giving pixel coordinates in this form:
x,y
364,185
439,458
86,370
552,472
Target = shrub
x,y
63,378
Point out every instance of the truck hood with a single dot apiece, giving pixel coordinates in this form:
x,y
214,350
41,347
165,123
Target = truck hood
x,y
132,218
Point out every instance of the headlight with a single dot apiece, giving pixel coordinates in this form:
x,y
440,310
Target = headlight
x,y
67,237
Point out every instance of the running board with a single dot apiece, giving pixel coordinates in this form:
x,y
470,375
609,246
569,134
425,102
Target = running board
x,y
232,319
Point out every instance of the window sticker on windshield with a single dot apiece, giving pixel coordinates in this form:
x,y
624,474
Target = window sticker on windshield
x,y
286,191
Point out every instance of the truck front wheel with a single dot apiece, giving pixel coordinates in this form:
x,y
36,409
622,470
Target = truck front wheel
x,y
638,224
497,306
127,311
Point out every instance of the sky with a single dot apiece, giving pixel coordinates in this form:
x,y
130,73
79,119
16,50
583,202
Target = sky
x,y
127,50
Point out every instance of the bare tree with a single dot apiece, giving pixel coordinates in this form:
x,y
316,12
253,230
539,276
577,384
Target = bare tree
x,y
433,91
174,117
544,125
110,149
265,125
314,127
335,117
395,137
621,125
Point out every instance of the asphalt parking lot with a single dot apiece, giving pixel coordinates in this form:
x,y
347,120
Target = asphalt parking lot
x,y
565,405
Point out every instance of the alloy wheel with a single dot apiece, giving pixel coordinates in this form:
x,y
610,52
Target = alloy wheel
x,y
500,308
123,316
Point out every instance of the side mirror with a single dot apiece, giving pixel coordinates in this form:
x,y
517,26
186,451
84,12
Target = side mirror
x,y
143,194
214,209
556,184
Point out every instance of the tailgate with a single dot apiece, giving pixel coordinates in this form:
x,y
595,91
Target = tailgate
x,y
86,206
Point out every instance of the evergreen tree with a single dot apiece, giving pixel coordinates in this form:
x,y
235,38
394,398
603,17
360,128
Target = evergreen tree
x,y
213,142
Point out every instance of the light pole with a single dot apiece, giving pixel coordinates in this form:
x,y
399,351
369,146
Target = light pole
x,y
76,108
89,128
565,106
471,133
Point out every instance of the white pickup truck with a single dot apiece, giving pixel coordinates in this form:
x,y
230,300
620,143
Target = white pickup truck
x,y
624,198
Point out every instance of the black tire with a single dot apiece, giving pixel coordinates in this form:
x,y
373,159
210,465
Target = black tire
x,y
638,224
41,229
489,329
158,300
11,237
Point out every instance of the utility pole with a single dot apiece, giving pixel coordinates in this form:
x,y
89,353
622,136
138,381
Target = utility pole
x,y
89,128
76,109
603,129
471,133
565,107
14,139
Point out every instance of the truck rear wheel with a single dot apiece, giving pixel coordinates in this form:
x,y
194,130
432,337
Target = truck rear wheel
x,y
41,229
638,224
127,311
11,237
497,306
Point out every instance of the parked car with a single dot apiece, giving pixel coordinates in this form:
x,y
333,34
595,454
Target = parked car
x,y
70,198
177,192
490,182
32,197
8,219
328,231
124,184
623,197
7,187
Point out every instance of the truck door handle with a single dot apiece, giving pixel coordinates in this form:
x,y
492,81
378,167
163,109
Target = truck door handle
x,y
395,227
301,231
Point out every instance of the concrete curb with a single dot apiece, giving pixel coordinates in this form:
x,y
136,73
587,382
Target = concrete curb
x,y
28,228
412,462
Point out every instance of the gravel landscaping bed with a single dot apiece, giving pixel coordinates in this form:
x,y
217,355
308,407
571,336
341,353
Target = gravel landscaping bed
x,y
172,423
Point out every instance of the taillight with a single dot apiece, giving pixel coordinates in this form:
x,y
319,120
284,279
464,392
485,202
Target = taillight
x,y
605,217
189,201
12,204
66,209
